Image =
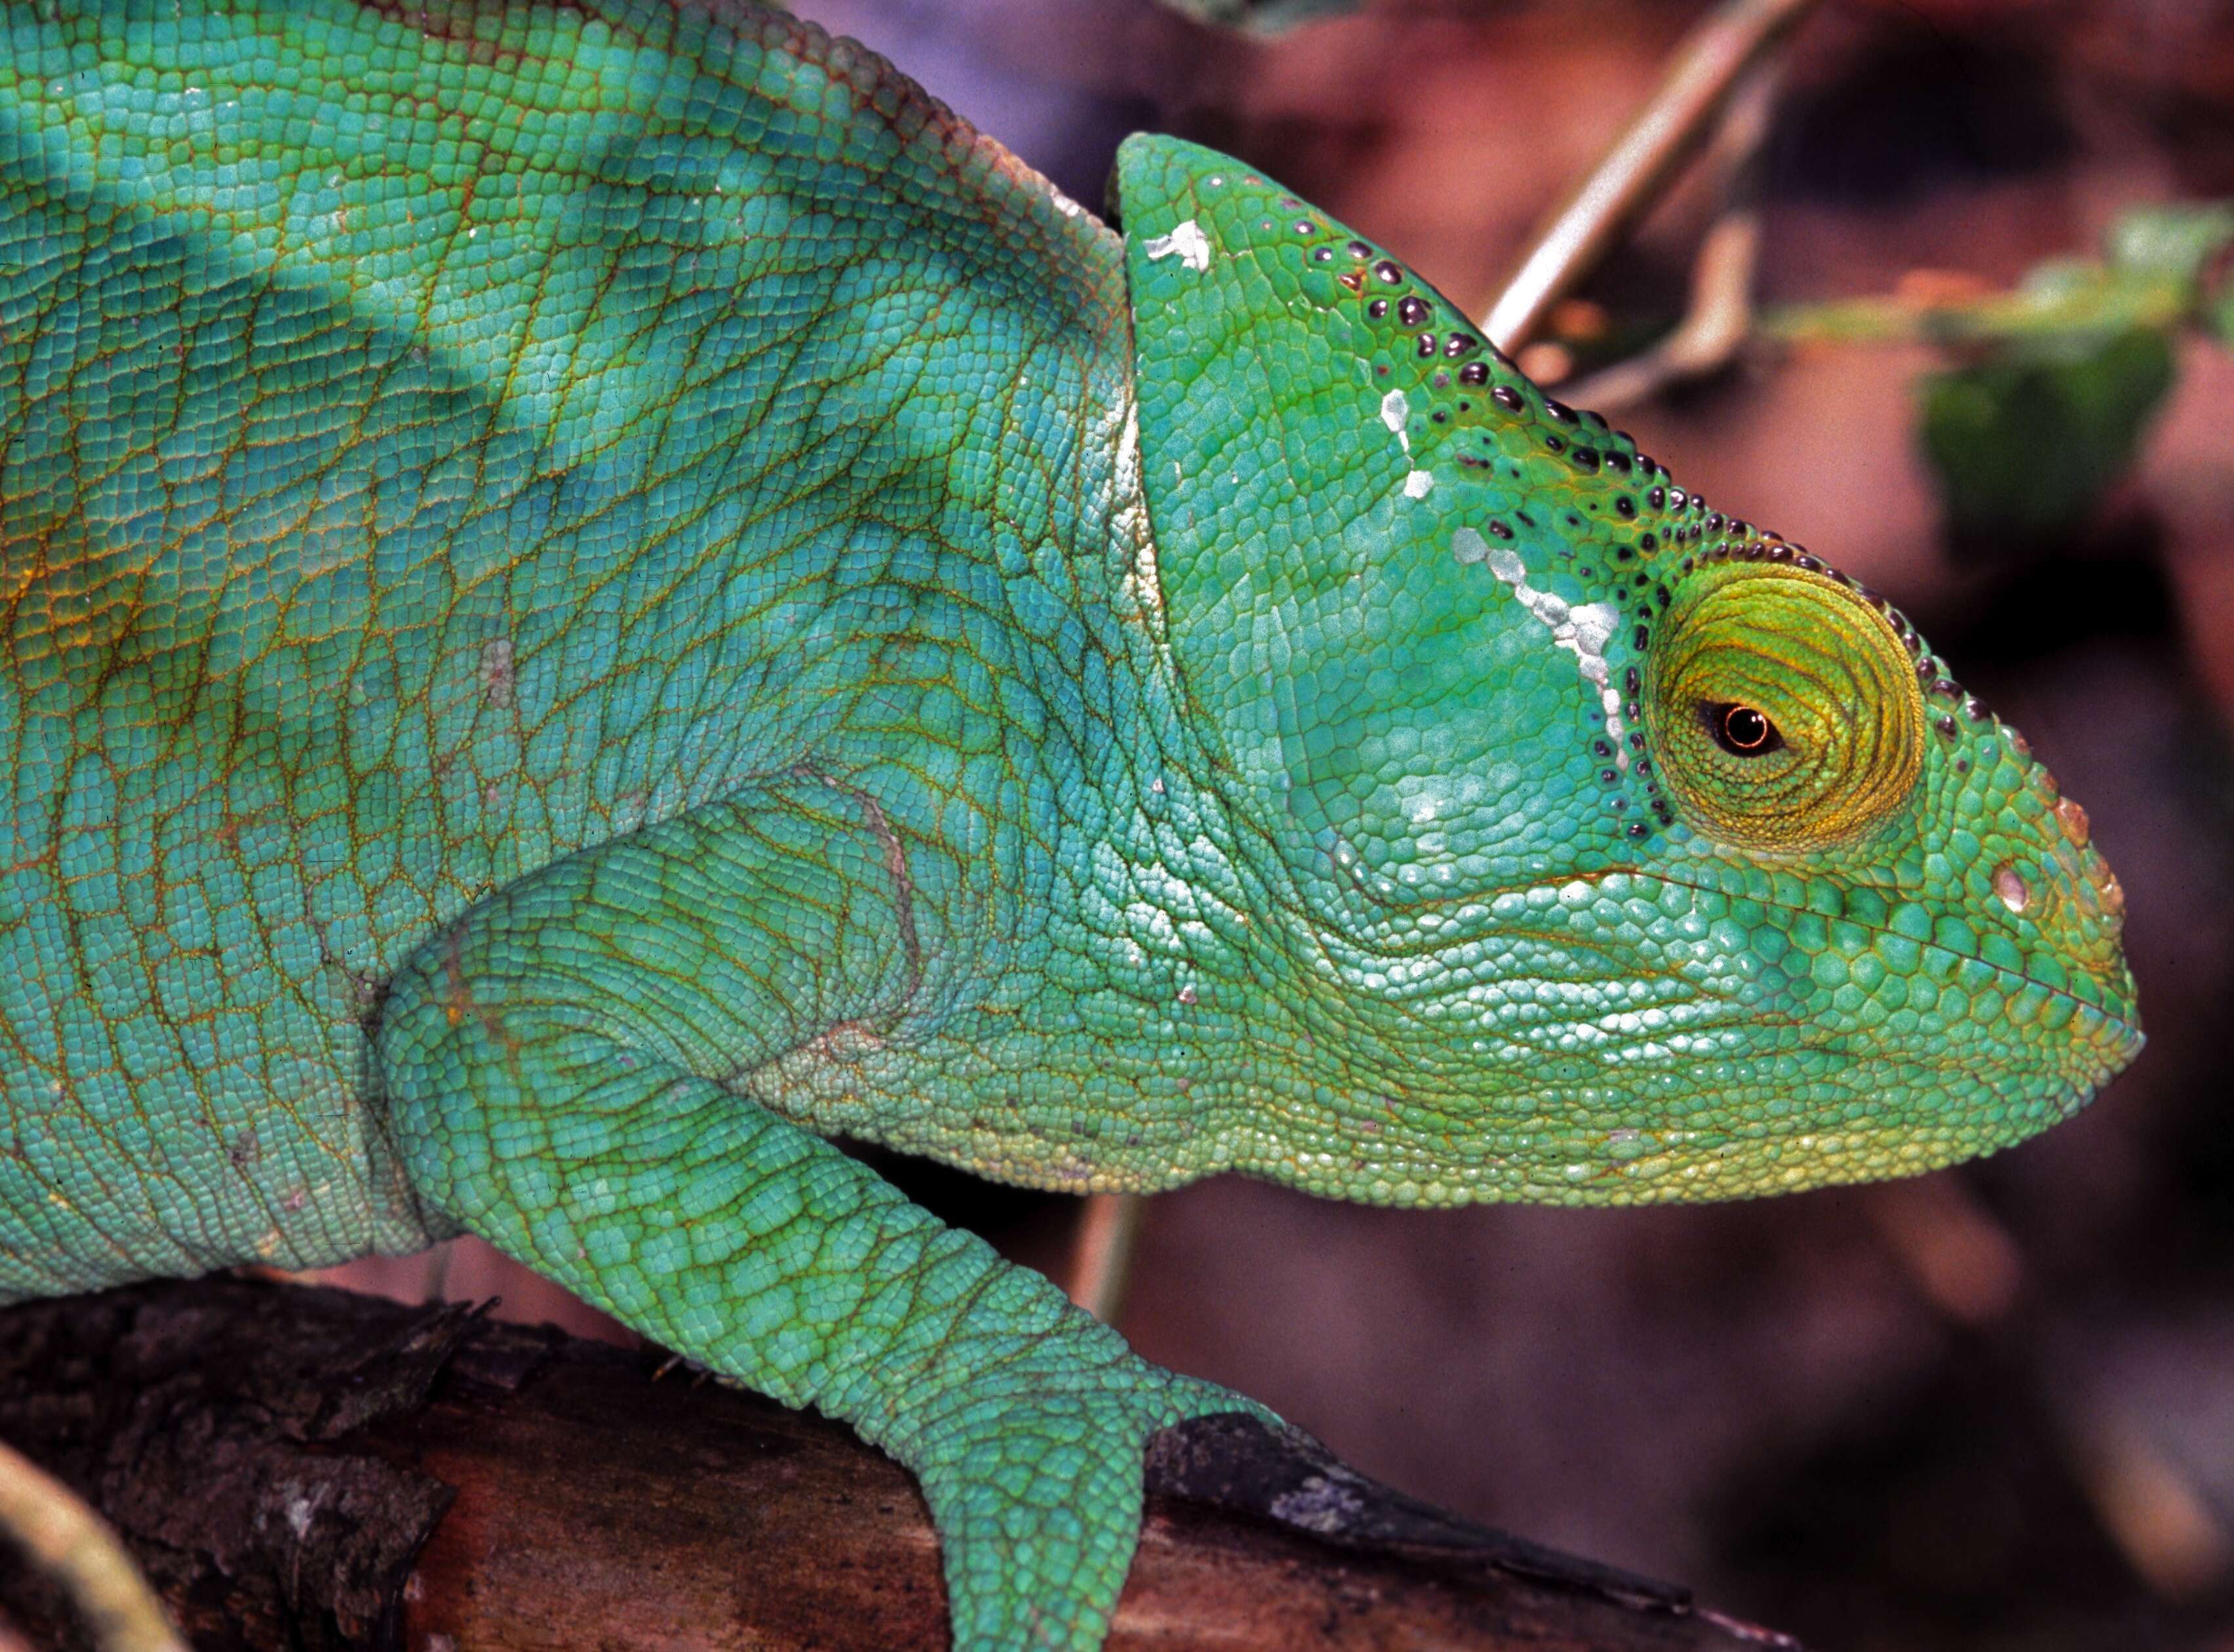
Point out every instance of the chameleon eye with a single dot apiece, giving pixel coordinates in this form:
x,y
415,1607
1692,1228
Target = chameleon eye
x,y
1783,710
1741,730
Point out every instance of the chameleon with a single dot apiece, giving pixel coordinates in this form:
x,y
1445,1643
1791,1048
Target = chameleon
x,y
598,598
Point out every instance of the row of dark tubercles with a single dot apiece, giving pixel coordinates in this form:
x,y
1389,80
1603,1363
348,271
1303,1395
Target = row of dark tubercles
x,y
1740,541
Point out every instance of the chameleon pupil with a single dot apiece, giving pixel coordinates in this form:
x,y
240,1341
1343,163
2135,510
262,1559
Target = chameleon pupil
x,y
1742,730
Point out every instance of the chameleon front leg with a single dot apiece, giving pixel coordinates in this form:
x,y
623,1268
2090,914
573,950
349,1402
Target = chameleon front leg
x,y
563,1069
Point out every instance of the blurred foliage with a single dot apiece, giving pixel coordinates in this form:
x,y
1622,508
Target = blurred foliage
x,y
2053,382
2025,442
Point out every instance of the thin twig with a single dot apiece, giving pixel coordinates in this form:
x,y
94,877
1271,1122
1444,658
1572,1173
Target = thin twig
x,y
1102,1257
71,1543
1719,318
1666,133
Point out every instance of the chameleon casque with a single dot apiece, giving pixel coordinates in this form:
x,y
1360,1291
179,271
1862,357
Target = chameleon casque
x,y
595,596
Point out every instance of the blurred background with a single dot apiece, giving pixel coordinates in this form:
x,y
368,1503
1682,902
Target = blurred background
x,y
1973,365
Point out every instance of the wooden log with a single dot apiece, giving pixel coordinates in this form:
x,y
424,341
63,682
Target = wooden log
x,y
306,1468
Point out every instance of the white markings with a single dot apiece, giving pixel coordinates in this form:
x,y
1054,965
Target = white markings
x,y
1188,241
1583,631
1394,411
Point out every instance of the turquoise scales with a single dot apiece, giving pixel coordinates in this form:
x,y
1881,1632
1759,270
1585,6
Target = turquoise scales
x,y
594,597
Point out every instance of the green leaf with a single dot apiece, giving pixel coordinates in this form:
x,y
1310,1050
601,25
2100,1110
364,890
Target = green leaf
x,y
2170,243
2025,442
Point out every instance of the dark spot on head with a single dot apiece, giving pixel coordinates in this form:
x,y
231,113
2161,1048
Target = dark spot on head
x,y
1623,505
1559,410
1359,250
1586,457
1377,308
1508,398
1388,273
1412,310
1474,373
1459,344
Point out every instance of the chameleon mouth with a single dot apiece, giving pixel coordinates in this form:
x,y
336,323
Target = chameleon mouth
x,y
2112,1014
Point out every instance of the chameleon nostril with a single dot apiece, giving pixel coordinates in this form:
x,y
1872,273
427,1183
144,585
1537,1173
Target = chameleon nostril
x,y
2015,893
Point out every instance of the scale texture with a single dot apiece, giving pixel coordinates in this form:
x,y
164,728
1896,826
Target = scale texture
x,y
595,597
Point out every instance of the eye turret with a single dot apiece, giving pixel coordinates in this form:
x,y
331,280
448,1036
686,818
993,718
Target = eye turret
x,y
1784,710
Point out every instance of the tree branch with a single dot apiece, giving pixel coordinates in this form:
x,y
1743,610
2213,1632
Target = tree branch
x,y
303,1467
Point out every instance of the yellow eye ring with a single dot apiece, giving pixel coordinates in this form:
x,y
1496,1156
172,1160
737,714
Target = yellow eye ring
x,y
1783,713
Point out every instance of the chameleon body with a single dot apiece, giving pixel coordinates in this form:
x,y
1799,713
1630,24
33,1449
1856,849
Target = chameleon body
x,y
595,596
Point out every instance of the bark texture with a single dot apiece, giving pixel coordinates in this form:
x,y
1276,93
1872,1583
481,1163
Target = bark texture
x,y
304,1468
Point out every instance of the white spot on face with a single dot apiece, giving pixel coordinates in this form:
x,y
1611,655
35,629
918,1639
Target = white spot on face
x,y
1394,411
1583,631
2010,885
1417,484
1188,241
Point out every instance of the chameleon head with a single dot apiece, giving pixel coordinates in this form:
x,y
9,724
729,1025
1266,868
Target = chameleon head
x,y
1638,854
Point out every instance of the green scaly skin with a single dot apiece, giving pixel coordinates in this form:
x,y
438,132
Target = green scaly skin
x,y
591,599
